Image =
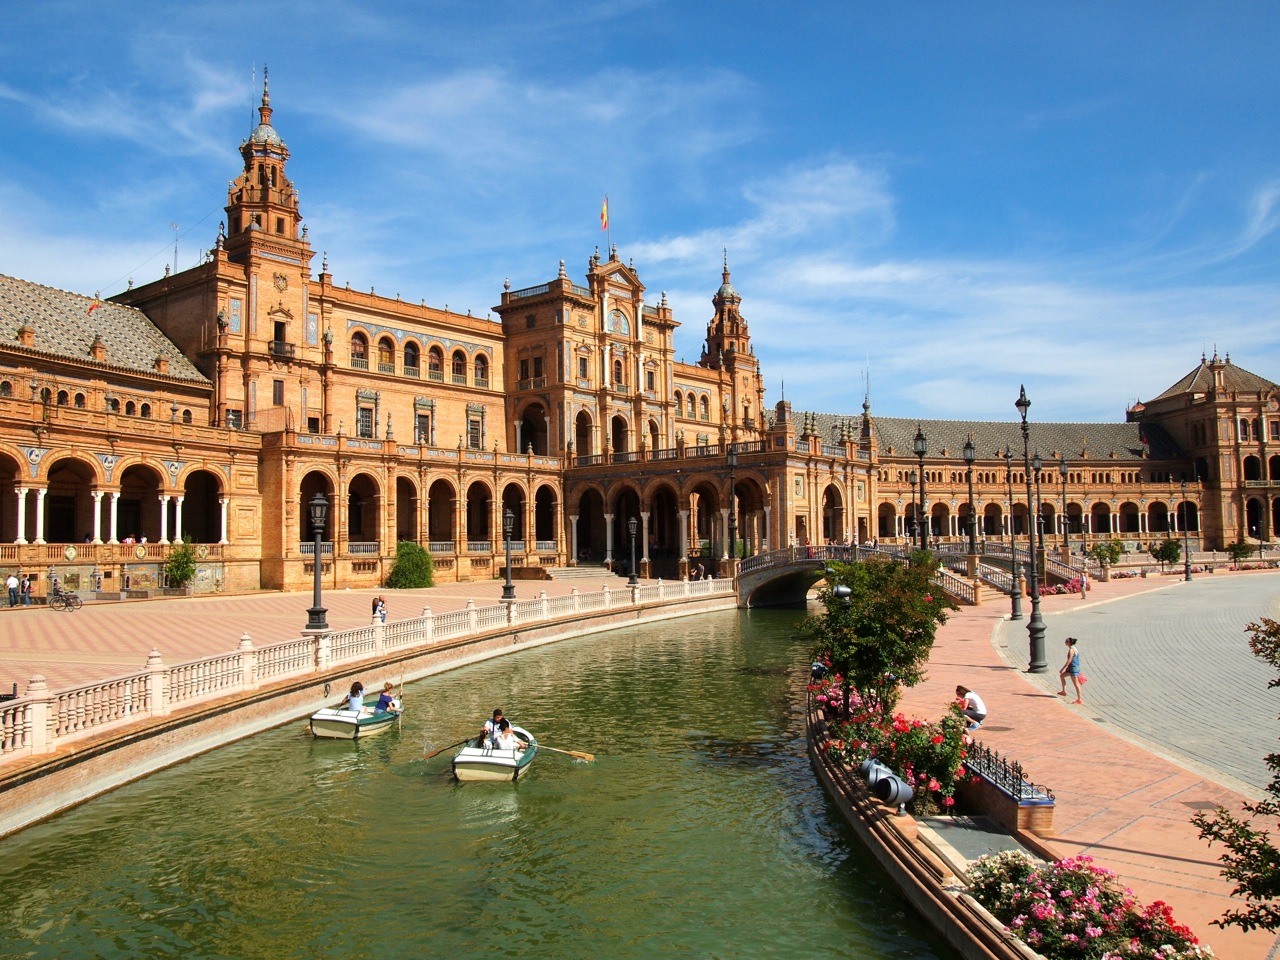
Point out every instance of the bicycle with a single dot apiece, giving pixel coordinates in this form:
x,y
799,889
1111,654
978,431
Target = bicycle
x,y
62,600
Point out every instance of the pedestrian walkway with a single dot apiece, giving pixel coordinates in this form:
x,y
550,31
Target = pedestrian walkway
x,y
105,640
1176,719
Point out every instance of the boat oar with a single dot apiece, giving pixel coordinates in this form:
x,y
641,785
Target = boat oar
x,y
436,753
576,754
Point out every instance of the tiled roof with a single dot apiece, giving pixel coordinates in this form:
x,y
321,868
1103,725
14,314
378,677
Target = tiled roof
x,y
64,327
1098,440
1200,380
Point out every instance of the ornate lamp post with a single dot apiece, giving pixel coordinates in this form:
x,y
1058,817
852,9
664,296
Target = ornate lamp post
x,y
633,580
1066,542
508,524
921,447
912,477
1015,568
1186,537
970,454
1035,626
318,510
732,457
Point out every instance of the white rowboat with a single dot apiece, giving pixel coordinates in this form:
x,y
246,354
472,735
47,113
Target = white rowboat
x,y
485,763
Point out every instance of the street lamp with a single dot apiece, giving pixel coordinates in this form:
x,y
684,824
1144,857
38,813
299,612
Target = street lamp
x,y
633,580
508,524
318,510
1035,626
1015,568
1186,537
912,477
732,457
969,456
921,447
1066,542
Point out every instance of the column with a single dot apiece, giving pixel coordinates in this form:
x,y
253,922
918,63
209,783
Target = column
x,y
115,517
177,518
519,445
97,516
40,495
22,516
573,539
223,503
724,530
765,534
644,536
164,519
684,536
608,540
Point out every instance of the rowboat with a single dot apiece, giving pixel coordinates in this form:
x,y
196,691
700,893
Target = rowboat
x,y
340,723
486,763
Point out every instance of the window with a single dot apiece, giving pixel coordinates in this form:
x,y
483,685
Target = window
x,y
1275,429
64,398
113,404
524,369
679,404
422,428
386,356
482,371
313,424
650,381
617,374
277,393
435,364
459,367
537,367
364,422
582,368
475,433
186,416
145,411
235,419
706,409
693,414
412,358
79,401
6,388
359,351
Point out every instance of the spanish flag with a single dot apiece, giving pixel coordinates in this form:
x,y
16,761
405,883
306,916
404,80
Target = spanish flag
x,y
97,302
604,213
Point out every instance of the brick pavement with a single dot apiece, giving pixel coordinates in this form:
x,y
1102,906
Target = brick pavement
x,y
1126,796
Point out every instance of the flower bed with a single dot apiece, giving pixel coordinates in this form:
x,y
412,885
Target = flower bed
x,y
926,755
1072,910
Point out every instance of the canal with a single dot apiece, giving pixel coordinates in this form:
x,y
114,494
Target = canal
x,y
699,831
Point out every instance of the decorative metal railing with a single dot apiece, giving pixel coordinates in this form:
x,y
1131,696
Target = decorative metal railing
x,y
1004,774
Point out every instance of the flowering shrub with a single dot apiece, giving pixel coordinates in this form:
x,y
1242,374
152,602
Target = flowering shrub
x,y
925,755
1071,909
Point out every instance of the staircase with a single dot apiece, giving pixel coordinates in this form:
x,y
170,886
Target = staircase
x,y
582,571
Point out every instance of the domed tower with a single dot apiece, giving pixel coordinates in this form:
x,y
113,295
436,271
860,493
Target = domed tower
x,y
262,201
728,349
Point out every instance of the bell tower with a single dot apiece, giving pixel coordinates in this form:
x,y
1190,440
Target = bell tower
x,y
262,202
728,350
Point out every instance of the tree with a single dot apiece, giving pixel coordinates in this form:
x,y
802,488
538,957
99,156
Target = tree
x,y
1239,552
878,636
180,566
1168,552
1107,552
1251,859
412,568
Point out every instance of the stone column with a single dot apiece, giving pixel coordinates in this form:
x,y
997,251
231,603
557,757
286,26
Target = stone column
x,y
115,517
608,540
97,515
223,503
164,519
573,539
644,544
177,518
40,495
22,519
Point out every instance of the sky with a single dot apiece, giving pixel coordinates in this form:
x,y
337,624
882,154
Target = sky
x,y
944,201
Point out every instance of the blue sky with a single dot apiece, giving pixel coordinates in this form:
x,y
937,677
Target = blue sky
x,y
957,198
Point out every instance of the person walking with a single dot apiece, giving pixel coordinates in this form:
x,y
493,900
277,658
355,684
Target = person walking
x,y
1084,584
1071,669
12,584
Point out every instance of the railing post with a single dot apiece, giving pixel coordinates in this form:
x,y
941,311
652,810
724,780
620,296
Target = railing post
x,y
471,616
574,594
322,651
635,594
157,694
544,605
428,626
607,597
379,636
511,614
38,715
248,663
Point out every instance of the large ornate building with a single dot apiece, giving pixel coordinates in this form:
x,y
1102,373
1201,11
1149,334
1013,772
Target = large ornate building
x,y
213,404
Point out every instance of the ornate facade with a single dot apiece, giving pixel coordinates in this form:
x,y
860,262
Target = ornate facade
x,y
211,405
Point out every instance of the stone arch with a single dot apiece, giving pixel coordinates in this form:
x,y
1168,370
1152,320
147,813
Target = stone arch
x,y
1253,514
11,478
533,430
886,520
1129,513
626,506
201,507
513,499
441,513
364,509
582,434
479,513
749,502
590,544
386,354
992,519
408,513
313,482
1252,468
138,509
1158,517
663,545
412,359
705,537
619,434
1100,518
655,436
545,516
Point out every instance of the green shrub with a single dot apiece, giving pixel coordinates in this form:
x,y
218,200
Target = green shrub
x,y
412,569
180,566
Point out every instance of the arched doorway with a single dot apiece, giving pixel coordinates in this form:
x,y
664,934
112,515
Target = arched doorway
x,y
833,521
1100,518
312,483
68,505
363,515
705,539
201,508
406,510
533,430
441,510
664,533
588,545
886,521
993,520
138,510
479,510
544,519
619,435
626,507
513,501
582,434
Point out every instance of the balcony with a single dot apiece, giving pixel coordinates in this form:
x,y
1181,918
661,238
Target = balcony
x,y
415,372
532,383
282,350
385,367
359,363
436,375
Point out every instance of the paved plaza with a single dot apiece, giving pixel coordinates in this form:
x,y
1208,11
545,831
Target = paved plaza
x,y
1177,718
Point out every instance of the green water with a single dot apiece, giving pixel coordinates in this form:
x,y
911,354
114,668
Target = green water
x,y
699,831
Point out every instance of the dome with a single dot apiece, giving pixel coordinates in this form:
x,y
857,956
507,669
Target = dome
x,y
264,134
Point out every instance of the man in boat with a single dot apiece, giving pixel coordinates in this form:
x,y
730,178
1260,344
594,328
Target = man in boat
x,y
506,738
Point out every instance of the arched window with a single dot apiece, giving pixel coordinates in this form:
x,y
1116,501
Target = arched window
x,y
145,411
412,359
113,404
6,388
482,370
435,364
130,409
359,351
706,409
186,416
693,410
79,401
679,403
617,374
64,398
386,355
459,367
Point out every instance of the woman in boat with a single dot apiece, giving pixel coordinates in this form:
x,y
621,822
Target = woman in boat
x,y
387,699
355,699
507,739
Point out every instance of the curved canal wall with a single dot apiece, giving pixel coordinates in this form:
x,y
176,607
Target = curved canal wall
x,y
66,747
